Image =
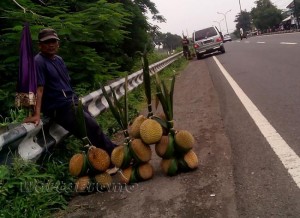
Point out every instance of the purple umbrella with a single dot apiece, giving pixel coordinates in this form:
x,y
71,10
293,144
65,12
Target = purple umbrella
x,y
27,84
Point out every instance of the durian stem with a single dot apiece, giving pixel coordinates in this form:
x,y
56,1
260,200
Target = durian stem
x,y
125,132
150,113
172,131
170,124
127,140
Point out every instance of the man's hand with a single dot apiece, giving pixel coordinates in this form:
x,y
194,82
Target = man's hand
x,y
33,119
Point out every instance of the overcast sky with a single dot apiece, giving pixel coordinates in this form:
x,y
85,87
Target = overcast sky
x,y
190,15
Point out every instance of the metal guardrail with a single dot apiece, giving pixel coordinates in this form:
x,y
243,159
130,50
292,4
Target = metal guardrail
x,y
29,141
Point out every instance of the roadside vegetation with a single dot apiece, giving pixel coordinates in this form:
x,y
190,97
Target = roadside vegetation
x,y
99,39
39,189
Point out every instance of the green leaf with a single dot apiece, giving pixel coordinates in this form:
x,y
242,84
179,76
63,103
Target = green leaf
x,y
147,82
112,107
120,108
172,94
4,172
126,101
80,120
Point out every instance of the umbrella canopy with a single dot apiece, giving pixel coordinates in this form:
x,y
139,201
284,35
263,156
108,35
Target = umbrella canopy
x,y
27,83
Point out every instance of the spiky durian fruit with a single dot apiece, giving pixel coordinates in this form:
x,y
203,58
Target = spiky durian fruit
x,y
98,158
189,161
184,141
82,184
121,156
141,152
134,130
144,171
150,131
127,176
165,147
78,164
169,166
104,180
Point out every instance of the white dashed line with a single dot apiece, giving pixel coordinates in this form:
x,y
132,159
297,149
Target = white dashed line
x,y
288,43
288,157
261,42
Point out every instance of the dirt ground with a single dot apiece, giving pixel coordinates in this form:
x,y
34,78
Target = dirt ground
x,y
205,192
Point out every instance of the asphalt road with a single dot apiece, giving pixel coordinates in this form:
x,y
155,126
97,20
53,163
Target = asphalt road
x,y
267,69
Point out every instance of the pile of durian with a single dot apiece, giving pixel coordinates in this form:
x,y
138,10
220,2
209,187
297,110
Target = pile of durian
x,y
132,158
175,147
89,169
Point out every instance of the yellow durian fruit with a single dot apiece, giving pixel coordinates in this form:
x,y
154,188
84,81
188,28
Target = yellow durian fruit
x,y
134,130
98,158
104,180
165,147
141,152
121,156
117,156
150,131
125,176
77,164
145,171
169,166
82,184
191,160
184,140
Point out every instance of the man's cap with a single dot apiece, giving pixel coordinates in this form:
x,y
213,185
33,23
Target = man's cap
x,y
46,34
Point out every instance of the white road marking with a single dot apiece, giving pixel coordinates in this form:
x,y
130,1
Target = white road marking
x,y
288,157
288,43
261,42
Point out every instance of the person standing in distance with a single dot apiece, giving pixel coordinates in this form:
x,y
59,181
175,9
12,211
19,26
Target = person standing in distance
x,y
241,33
55,95
185,47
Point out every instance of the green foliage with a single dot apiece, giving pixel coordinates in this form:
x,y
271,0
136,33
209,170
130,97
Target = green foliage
x,y
243,20
169,41
14,116
99,38
27,190
30,189
265,15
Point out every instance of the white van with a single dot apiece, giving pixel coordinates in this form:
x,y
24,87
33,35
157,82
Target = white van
x,y
208,40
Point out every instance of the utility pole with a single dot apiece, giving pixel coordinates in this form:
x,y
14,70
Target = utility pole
x,y
219,22
240,6
224,14
296,14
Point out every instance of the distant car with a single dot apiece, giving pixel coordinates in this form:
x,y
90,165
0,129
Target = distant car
x,y
207,40
227,38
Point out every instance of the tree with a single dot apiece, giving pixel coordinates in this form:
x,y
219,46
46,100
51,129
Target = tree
x,y
243,20
265,15
99,38
170,41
